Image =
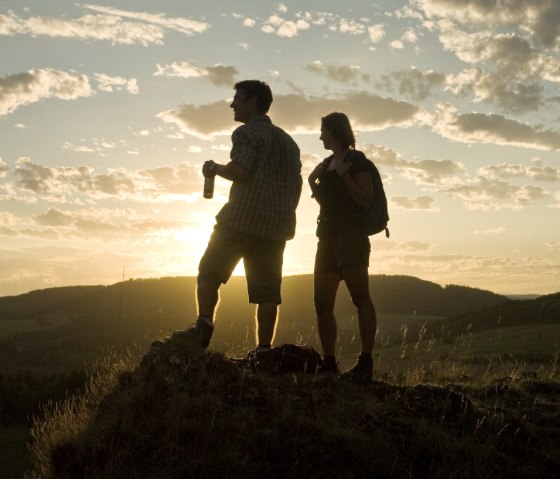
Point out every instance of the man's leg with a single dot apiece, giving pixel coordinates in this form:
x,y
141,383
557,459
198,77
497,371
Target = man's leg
x,y
201,332
216,265
267,312
207,298
263,267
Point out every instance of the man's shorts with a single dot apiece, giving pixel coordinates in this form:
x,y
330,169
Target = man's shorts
x,y
338,253
262,260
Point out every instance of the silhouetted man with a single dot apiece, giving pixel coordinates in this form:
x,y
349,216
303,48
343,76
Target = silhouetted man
x,y
257,220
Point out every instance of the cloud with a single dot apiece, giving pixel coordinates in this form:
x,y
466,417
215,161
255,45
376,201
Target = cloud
x,y
505,170
7,231
423,172
409,36
53,217
279,24
339,73
200,120
218,75
300,113
511,96
411,83
418,203
6,218
541,18
3,168
510,69
35,178
431,172
186,26
351,26
106,223
57,181
39,84
109,84
89,27
283,27
491,128
376,32
108,24
485,194
181,181
497,230
413,246
84,184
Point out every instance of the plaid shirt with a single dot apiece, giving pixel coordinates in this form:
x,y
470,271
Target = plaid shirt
x,y
264,204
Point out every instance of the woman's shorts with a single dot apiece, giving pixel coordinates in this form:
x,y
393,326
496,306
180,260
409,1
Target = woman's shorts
x,y
340,252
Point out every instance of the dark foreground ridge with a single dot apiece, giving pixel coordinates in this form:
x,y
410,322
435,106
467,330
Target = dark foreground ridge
x,y
186,415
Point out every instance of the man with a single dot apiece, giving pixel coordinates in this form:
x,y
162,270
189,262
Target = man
x,y
257,220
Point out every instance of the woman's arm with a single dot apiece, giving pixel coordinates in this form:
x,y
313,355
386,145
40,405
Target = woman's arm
x,y
314,178
360,187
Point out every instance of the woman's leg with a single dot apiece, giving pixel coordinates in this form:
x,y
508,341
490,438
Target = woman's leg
x,y
357,282
325,288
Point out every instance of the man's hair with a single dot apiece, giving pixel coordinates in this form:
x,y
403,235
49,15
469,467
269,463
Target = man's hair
x,y
258,89
338,125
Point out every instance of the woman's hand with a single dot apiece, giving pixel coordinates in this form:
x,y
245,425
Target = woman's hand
x,y
318,171
343,167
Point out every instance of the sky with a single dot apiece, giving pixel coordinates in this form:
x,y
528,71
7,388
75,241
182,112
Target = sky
x,y
109,109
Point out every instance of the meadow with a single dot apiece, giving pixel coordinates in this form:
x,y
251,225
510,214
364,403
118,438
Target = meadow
x,y
506,369
174,413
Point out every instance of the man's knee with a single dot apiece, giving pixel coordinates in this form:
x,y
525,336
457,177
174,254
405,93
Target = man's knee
x,y
208,280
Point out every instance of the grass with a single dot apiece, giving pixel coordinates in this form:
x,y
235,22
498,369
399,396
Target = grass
x,y
10,327
179,415
63,421
14,460
517,363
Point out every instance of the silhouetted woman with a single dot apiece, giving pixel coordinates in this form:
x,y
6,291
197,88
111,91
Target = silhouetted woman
x,y
342,185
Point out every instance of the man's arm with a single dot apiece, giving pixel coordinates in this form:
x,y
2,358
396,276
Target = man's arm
x,y
231,171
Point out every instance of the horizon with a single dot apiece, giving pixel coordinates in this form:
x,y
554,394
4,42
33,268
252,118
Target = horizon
x,y
110,109
242,277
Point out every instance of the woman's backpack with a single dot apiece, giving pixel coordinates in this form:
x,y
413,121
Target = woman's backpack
x,y
376,216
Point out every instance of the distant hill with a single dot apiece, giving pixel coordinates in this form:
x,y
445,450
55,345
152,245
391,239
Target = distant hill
x,y
64,328
542,310
173,297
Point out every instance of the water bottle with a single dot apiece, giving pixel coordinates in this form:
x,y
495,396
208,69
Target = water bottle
x,y
208,191
208,187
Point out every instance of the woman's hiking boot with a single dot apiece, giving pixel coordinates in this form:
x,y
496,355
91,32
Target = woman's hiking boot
x,y
362,372
328,366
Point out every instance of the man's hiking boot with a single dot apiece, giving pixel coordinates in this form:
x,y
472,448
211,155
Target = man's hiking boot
x,y
327,367
199,333
362,372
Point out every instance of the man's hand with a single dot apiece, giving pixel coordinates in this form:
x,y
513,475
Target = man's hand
x,y
209,169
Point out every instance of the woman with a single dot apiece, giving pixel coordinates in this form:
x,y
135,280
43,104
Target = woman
x,y
342,185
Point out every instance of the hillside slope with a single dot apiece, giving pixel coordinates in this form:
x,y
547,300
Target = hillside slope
x,y
542,310
202,416
173,297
